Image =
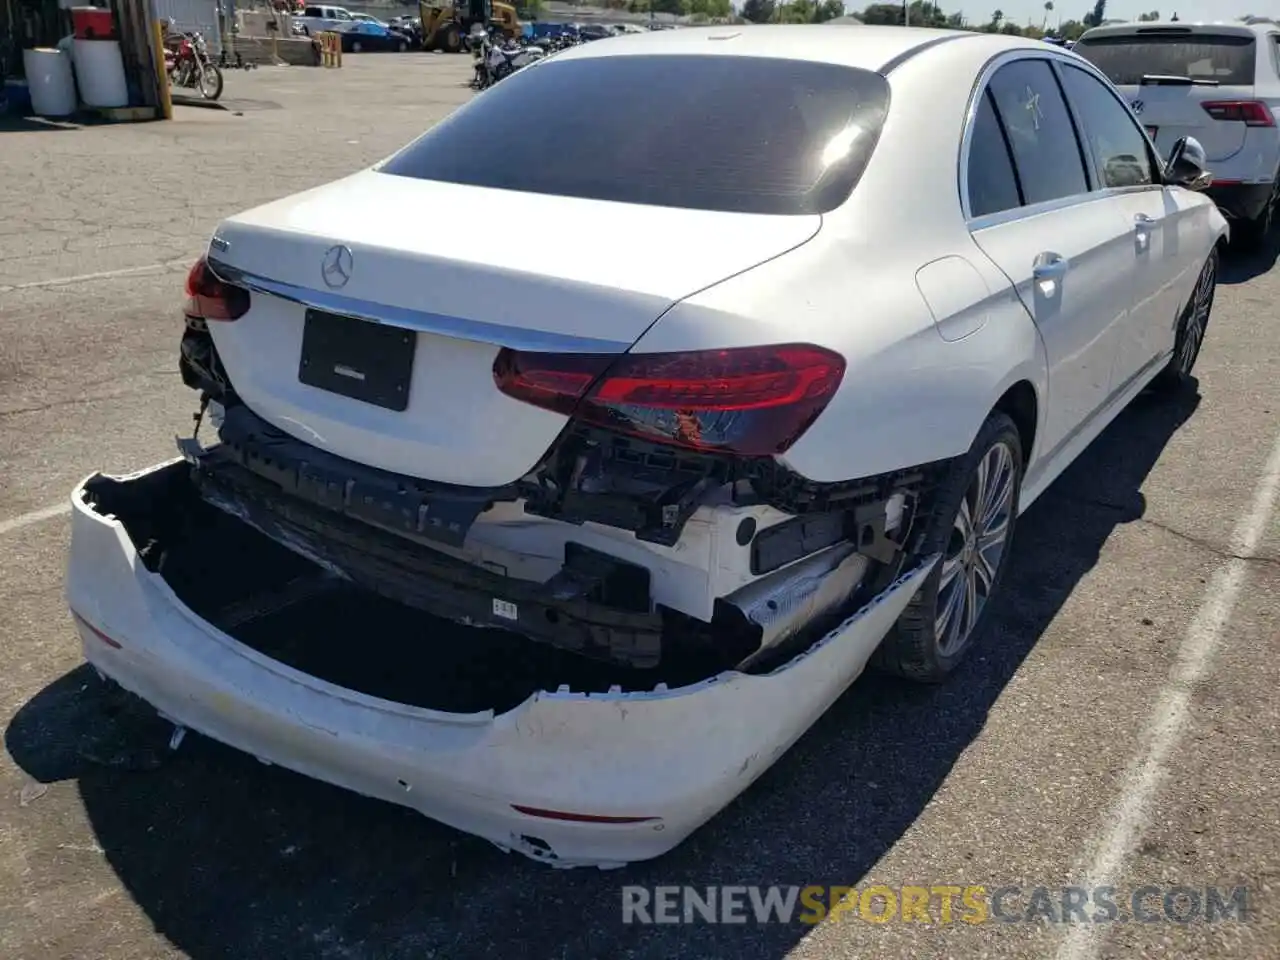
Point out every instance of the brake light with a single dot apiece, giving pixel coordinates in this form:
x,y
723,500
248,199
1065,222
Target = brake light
x,y
1252,113
211,298
755,401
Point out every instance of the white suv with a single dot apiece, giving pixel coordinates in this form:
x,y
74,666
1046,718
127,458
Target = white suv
x,y
1217,82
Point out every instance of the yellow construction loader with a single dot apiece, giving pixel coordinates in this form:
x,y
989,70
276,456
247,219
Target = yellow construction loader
x,y
445,24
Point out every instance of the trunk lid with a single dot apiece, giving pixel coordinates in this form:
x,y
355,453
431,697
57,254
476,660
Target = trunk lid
x,y
469,270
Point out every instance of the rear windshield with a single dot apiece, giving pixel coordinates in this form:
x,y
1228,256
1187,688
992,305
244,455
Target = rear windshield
x,y
729,133
1126,58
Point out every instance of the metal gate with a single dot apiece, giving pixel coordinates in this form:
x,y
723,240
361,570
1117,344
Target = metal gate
x,y
195,16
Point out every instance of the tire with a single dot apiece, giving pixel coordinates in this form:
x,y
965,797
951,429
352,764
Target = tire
x,y
928,643
356,46
210,82
451,41
402,46
1192,326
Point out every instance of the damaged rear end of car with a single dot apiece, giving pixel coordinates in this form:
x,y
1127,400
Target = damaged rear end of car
x,y
446,535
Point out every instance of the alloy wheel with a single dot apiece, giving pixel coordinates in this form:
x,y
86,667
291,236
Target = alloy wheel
x,y
1197,318
975,549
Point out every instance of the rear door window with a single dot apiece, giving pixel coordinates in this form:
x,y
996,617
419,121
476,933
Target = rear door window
x,y
993,183
731,133
1227,59
1117,145
1040,131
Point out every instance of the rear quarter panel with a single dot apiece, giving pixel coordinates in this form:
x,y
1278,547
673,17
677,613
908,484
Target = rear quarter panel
x,y
912,392
917,387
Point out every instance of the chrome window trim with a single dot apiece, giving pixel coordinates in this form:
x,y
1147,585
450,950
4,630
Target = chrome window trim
x,y
1053,57
1029,212
424,321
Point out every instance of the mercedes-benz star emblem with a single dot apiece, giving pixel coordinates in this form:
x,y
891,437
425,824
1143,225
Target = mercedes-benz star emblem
x,y
337,266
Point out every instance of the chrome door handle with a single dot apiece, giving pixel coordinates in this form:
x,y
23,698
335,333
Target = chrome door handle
x,y
1049,266
1143,221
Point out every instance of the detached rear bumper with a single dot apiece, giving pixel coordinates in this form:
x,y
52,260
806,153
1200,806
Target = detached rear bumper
x,y
630,774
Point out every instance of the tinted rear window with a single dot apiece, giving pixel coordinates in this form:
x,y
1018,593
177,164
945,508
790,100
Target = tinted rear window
x,y
1126,58
741,134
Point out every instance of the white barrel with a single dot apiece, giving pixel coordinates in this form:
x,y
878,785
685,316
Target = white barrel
x,y
100,73
49,78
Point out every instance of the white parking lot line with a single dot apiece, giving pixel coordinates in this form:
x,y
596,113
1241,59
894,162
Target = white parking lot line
x,y
35,516
101,275
1144,776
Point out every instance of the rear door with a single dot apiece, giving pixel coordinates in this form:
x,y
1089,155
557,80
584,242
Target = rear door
x,y
1067,250
1125,169
1178,80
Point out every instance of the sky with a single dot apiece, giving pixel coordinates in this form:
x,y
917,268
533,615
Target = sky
x,y
1020,10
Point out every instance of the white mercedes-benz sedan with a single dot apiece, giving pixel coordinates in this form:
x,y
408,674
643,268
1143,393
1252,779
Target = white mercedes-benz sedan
x,y
695,371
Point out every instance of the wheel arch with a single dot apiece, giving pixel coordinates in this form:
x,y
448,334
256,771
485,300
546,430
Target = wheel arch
x,y
1021,404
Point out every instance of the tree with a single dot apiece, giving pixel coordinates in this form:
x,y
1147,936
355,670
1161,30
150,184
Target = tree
x,y
1071,30
1149,17
997,21
882,14
1099,13
1048,9
926,14
758,11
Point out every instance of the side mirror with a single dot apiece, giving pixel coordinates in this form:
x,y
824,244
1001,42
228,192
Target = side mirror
x,y
1187,166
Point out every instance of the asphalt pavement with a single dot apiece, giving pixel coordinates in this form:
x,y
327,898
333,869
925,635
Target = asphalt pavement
x,y
1118,728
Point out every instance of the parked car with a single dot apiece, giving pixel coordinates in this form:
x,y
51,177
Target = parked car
x,y
594,31
564,543
1217,82
367,36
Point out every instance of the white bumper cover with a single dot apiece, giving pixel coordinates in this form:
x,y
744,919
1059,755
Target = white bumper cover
x,y
647,769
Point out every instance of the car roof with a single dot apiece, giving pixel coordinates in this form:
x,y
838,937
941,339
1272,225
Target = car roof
x,y
867,47
1165,27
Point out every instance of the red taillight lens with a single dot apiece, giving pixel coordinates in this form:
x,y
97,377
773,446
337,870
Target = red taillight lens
x,y
1252,113
755,401
211,298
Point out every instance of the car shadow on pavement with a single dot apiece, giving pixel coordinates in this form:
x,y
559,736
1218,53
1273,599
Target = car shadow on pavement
x,y
230,858
1241,266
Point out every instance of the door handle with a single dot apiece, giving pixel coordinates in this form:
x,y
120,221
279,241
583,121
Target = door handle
x,y
1049,266
1143,221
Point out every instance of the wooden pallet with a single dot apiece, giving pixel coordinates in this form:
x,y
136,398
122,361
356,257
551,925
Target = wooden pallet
x,y
123,114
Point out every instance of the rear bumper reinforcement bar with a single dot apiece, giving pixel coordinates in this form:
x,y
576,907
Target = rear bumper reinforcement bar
x,y
417,576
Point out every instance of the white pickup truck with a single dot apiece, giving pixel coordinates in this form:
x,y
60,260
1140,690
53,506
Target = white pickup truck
x,y
318,19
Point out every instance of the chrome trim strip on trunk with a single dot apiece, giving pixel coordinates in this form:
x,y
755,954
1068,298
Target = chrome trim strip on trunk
x,y
459,328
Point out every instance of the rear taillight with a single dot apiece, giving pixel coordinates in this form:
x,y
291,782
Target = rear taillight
x,y
1252,113
211,298
755,401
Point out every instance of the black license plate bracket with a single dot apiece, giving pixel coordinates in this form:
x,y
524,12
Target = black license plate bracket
x,y
366,361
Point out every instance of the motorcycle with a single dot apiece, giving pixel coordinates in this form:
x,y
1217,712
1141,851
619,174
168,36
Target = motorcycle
x,y
495,61
189,65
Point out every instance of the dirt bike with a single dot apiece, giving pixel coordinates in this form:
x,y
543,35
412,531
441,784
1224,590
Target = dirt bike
x,y
189,65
